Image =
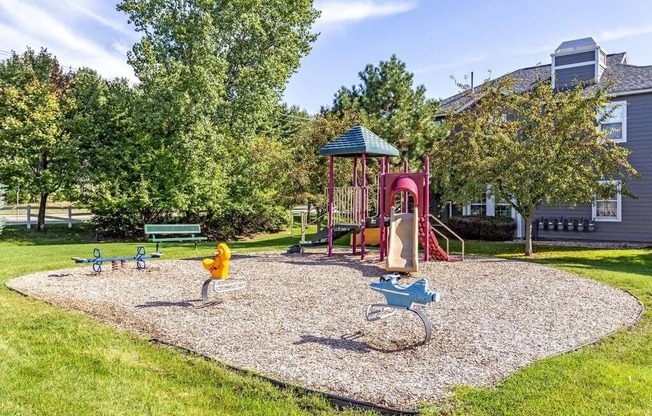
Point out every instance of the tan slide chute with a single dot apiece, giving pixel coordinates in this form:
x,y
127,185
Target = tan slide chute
x,y
403,242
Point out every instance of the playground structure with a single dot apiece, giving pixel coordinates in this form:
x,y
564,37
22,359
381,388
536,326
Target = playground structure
x,y
219,270
402,297
117,262
400,241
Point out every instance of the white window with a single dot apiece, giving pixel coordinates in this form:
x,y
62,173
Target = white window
x,y
616,124
609,209
503,209
476,208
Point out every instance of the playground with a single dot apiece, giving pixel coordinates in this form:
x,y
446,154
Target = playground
x,y
302,318
397,326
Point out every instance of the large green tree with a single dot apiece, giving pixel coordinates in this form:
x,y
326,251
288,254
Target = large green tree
x,y
38,153
212,74
394,108
229,59
533,147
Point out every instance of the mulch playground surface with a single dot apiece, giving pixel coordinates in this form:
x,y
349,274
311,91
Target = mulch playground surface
x,y
301,319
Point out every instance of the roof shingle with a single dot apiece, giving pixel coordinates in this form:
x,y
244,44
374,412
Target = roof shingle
x,y
624,77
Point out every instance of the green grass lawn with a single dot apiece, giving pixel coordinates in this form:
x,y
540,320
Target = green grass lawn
x,y
58,362
55,362
612,377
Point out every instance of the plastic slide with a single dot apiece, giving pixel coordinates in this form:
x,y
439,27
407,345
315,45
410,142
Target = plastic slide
x,y
403,243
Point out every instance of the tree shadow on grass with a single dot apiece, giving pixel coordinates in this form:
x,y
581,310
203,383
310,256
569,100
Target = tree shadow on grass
x,y
639,263
54,234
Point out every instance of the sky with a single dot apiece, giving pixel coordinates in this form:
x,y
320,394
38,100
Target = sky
x,y
437,39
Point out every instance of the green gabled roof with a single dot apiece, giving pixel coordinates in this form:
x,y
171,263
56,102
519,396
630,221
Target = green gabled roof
x,y
357,141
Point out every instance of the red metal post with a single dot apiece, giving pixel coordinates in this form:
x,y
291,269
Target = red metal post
x,y
381,209
391,203
330,205
354,209
405,194
426,209
363,199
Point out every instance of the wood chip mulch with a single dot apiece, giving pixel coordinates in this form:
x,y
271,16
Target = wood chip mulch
x,y
301,319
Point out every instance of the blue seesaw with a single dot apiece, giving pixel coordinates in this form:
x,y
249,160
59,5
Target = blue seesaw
x,y
402,297
97,259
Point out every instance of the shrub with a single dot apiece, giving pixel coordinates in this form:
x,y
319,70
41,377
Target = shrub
x,y
483,228
235,220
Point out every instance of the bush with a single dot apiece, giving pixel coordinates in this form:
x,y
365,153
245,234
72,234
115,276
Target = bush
x,y
237,220
483,228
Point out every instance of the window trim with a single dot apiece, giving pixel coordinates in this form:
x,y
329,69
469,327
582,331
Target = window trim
x,y
619,207
623,120
504,204
468,208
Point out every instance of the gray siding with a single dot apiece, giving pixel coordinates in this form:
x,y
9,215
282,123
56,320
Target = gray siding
x,y
636,224
575,58
564,78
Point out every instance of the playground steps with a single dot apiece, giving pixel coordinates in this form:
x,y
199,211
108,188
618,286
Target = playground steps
x,y
435,250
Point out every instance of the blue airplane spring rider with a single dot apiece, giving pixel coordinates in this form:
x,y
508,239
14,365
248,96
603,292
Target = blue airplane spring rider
x,y
402,297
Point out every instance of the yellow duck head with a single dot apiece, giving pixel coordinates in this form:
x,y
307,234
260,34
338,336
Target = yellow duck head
x,y
219,267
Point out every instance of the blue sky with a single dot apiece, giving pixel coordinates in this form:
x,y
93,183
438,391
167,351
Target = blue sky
x,y
436,38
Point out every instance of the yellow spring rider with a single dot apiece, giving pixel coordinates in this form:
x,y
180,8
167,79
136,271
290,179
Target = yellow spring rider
x,y
219,269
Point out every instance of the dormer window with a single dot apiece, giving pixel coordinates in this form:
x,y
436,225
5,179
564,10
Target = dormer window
x,y
615,125
580,60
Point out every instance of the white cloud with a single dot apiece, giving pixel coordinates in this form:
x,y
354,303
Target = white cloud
x,y
337,12
621,33
87,9
30,24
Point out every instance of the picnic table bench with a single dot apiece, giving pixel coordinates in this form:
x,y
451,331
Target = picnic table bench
x,y
174,232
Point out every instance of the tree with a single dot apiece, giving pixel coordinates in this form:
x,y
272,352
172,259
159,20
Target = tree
x,y
394,108
308,178
230,59
532,147
38,154
212,74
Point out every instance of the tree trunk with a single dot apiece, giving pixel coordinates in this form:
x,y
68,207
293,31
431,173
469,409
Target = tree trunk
x,y
40,225
528,234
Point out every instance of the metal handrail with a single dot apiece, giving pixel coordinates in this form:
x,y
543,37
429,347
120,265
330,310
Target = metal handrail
x,y
450,231
306,224
443,236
